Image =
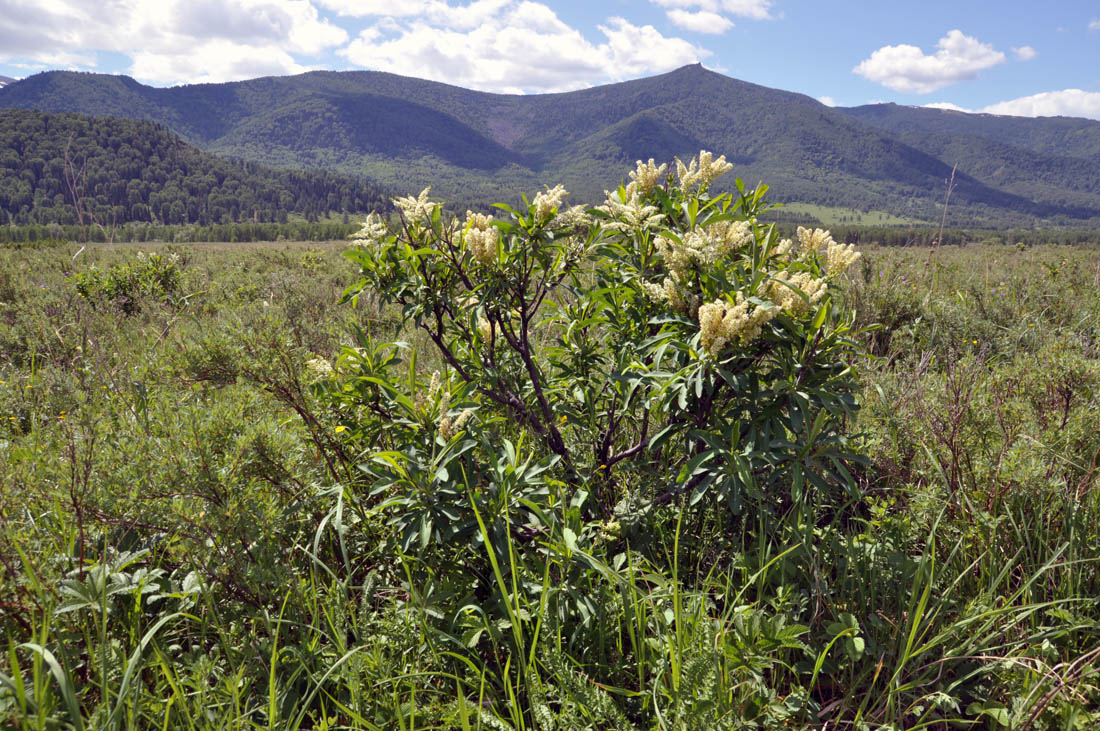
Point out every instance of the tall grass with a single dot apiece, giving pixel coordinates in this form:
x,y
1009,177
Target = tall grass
x,y
182,544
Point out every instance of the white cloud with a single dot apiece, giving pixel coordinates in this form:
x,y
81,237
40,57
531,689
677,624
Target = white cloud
x,y
1094,25
1025,53
949,107
754,9
520,46
701,21
827,101
907,69
172,41
1065,103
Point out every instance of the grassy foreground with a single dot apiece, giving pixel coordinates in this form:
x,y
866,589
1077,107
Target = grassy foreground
x,y
183,543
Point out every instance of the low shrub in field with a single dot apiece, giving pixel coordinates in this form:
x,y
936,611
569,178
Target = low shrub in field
x,y
155,275
599,371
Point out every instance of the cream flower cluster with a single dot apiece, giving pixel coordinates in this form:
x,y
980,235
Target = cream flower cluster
x,y
812,242
373,230
628,213
784,292
549,201
702,171
481,237
318,369
416,209
647,176
673,291
448,427
572,217
704,246
721,322
839,257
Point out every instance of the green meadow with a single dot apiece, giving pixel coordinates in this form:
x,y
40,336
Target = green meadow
x,y
201,526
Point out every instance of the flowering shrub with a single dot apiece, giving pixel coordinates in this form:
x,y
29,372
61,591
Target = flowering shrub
x,y
122,284
664,345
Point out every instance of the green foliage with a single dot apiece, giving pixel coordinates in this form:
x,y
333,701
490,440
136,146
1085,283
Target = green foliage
x,y
213,509
102,172
152,274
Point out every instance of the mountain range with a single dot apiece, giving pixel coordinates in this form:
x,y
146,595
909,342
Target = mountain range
x,y
5,80
476,147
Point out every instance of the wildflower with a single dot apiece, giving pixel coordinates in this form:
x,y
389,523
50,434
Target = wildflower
x,y
318,369
721,322
814,241
647,176
672,291
797,294
418,209
572,217
705,246
373,231
784,248
702,171
548,202
838,257
627,211
449,427
481,238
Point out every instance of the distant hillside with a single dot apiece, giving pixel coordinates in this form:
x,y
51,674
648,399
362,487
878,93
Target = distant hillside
x,y
126,170
474,147
5,80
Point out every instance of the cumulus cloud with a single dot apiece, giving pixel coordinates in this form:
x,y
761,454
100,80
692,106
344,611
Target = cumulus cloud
x,y
827,101
949,107
700,21
1025,53
516,47
1065,103
709,16
908,69
171,41
754,9
1094,25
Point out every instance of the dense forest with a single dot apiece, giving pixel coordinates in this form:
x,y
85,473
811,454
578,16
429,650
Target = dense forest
x,y
69,169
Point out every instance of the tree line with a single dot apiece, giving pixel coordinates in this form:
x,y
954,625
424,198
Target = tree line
x,y
71,169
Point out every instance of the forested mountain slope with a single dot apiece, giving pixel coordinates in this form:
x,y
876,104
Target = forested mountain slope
x,y
124,170
475,147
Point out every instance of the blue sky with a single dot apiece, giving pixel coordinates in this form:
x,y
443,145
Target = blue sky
x,y
1009,57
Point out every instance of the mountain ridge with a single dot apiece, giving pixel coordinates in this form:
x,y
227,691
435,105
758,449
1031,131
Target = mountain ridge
x,y
476,147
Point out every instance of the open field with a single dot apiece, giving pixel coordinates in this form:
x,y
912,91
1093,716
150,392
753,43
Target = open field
x,y
188,540
837,215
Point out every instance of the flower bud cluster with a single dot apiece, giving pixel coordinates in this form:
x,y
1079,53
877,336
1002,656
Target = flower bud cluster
x,y
784,292
702,171
704,246
812,242
572,217
839,257
416,209
448,427
721,322
547,202
627,212
647,176
372,232
481,238
318,369
673,291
